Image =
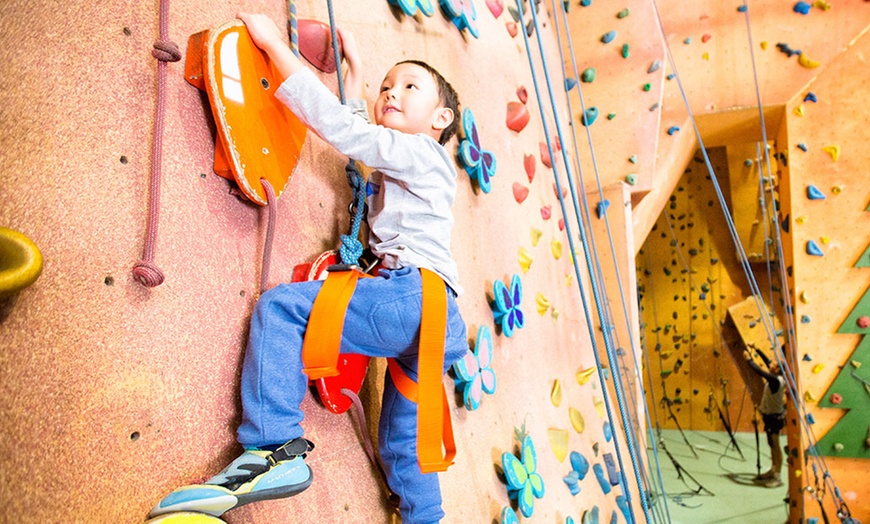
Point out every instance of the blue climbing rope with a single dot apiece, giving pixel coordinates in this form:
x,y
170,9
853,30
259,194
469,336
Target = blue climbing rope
x,y
351,248
597,298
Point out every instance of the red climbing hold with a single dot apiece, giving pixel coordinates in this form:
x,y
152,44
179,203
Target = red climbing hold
x,y
512,29
706,37
530,164
863,322
545,152
315,44
521,192
836,398
517,116
546,211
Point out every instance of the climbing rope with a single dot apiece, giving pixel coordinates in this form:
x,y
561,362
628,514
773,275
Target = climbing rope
x,y
145,271
594,285
351,248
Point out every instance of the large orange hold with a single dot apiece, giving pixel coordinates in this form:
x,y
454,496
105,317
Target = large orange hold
x,y
257,136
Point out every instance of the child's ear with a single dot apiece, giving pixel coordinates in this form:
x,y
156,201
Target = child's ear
x,y
443,117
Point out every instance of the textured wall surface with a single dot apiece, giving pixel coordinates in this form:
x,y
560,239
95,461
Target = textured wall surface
x,y
113,394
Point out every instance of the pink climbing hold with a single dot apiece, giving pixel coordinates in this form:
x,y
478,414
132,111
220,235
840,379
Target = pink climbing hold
x,y
561,224
530,164
495,7
523,94
863,322
836,398
512,29
521,192
546,212
545,152
564,191
517,116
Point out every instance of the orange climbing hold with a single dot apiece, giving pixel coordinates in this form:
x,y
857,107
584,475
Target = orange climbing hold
x,y
257,136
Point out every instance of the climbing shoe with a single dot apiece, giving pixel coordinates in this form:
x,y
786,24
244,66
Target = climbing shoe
x,y
774,482
253,476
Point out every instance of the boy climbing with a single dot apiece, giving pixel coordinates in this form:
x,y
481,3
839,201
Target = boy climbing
x,y
772,410
410,193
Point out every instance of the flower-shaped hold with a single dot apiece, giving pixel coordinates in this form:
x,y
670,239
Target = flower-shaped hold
x,y
479,163
462,13
410,6
524,482
507,310
473,371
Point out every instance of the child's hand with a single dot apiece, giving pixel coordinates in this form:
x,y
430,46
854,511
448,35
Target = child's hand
x,y
270,39
353,80
263,31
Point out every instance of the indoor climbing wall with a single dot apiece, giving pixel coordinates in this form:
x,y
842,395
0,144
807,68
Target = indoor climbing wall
x,y
689,275
141,384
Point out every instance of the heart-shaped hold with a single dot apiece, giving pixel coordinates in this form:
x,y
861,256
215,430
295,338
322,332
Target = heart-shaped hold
x,y
517,116
521,192
530,165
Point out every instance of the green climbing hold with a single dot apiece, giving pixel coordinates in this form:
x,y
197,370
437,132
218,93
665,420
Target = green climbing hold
x,y
588,75
647,86
589,116
611,116
633,159
631,179
608,37
622,14
625,51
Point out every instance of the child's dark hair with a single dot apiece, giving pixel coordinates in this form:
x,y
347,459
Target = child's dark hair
x,y
449,98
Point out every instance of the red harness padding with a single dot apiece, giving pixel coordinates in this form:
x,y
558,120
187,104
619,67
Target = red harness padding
x,y
320,352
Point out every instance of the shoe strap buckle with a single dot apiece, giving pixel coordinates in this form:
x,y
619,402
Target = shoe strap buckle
x,y
298,447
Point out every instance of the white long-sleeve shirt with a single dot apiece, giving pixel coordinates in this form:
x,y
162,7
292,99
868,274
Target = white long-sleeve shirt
x,y
410,193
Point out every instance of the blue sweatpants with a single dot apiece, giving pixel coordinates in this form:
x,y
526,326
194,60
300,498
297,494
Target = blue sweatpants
x,y
383,320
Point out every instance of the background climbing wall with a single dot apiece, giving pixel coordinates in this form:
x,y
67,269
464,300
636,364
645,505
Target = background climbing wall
x,y
141,385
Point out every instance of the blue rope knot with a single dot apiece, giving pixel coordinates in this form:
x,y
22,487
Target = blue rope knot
x,y
351,249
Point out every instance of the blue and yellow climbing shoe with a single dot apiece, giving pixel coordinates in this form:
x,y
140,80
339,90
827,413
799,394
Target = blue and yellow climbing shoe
x,y
255,475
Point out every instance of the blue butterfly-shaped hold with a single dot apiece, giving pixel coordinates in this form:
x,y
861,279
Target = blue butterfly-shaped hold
x,y
479,163
462,13
506,307
508,516
524,482
410,6
473,371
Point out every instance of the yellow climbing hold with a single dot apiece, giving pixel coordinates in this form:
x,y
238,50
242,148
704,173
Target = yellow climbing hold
x,y
809,397
834,151
559,442
799,110
599,405
536,235
798,473
542,303
801,219
855,364
764,45
556,393
825,240
806,62
706,56
584,375
555,314
20,262
556,249
525,259
822,4
576,420
569,279
818,368
837,190
804,298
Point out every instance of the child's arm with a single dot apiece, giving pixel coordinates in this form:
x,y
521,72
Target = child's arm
x,y
269,38
353,79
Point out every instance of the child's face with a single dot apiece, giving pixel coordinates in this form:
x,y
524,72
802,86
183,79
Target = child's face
x,y
409,102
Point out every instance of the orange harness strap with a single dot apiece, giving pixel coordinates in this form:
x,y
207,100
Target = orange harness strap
x,y
320,351
326,323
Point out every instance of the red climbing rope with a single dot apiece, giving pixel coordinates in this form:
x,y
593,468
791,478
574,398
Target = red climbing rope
x,y
271,208
145,271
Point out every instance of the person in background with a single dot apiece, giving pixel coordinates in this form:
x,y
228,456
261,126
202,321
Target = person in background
x,y
772,410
